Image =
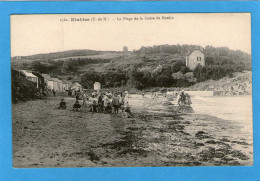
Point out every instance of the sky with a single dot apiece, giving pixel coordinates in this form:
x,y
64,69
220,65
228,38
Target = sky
x,y
34,34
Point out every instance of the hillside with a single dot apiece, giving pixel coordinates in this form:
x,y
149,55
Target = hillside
x,y
59,55
99,55
147,67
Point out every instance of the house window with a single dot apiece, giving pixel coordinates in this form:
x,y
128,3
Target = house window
x,y
198,58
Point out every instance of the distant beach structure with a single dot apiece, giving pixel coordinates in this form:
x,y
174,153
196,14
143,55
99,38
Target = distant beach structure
x,y
194,58
97,86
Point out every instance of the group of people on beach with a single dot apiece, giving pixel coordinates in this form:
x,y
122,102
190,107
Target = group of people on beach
x,y
113,103
106,102
183,99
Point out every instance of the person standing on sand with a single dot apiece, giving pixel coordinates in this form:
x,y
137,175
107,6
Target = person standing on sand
x,y
70,93
187,99
100,102
54,92
77,96
76,106
115,103
126,98
180,98
106,102
84,99
120,101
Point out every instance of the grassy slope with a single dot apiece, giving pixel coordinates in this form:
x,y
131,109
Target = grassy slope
x,y
103,55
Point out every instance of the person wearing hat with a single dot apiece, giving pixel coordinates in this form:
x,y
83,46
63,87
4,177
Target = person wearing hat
x,y
115,103
62,104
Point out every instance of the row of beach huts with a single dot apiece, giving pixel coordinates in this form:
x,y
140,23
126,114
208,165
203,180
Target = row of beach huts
x,y
43,81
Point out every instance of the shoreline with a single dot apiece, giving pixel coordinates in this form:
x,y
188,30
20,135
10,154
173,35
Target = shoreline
x,y
46,137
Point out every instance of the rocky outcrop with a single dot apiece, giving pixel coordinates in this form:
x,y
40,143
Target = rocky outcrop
x,y
239,84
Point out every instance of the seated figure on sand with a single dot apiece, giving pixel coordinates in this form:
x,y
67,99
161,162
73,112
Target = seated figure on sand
x,y
108,108
62,104
126,110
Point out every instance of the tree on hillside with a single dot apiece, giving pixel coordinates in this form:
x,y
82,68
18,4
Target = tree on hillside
x,y
178,66
88,79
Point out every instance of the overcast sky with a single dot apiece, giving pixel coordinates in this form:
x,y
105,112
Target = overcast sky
x,y
33,34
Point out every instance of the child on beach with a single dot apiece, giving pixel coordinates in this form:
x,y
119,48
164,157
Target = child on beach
x,y
62,104
126,112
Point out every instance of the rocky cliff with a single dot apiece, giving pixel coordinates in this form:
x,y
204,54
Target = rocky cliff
x,y
239,84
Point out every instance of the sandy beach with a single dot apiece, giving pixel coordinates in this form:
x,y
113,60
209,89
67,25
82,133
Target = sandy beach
x,y
44,136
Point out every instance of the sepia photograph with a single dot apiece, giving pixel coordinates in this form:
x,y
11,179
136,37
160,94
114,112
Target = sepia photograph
x,y
131,90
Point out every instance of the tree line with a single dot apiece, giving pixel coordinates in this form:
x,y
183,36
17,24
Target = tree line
x,y
157,66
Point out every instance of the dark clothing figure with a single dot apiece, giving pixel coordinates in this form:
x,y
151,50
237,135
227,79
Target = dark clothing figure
x,y
187,100
76,106
77,97
62,104
100,103
126,112
54,92
70,93
181,98
115,103
108,109
99,99
93,107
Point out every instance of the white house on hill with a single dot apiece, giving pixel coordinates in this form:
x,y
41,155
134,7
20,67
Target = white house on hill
x,y
195,58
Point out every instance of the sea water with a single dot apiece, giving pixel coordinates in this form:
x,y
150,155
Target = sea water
x,y
237,109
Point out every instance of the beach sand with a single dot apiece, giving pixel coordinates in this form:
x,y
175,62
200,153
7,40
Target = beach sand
x,y
44,136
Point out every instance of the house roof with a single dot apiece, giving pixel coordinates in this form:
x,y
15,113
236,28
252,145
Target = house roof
x,y
46,76
77,84
27,74
194,51
57,80
15,70
66,82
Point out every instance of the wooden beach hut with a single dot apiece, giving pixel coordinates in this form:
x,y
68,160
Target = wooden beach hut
x,y
29,76
97,86
76,86
48,81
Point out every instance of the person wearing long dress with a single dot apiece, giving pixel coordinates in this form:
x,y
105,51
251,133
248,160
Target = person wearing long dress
x,y
180,98
84,97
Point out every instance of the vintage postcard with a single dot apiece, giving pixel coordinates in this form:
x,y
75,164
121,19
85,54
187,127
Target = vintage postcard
x,y
131,90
